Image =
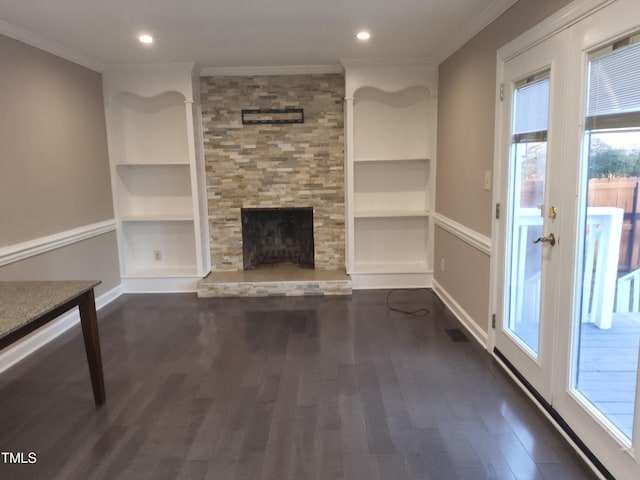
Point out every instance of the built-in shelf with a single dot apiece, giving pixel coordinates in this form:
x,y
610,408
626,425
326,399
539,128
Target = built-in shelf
x,y
391,240
399,160
148,129
153,164
390,187
157,169
390,213
156,218
183,271
154,191
392,268
391,124
157,247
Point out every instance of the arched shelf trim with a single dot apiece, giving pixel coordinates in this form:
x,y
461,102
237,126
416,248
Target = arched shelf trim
x,y
406,92
149,129
392,124
166,98
391,78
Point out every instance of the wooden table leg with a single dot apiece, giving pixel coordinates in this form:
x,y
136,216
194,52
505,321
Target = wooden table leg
x,y
89,321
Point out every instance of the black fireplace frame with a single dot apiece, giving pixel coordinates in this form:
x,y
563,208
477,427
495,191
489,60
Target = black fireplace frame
x,y
277,235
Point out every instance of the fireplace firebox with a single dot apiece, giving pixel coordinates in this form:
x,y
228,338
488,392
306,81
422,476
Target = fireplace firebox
x,y
272,236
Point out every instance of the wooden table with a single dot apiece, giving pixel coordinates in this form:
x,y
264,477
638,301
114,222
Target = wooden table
x,y
26,306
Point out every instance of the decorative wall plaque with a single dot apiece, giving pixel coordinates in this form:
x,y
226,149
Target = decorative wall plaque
x,y
285,115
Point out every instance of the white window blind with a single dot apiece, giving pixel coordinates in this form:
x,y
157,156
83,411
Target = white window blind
x,y
613,99
531,111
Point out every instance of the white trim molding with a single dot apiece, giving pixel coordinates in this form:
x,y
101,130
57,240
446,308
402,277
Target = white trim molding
x,y
563,18
24,250
187,284
48,46
488,15
461,314
39,338
273,70
389,62
471,237
366,281
149,67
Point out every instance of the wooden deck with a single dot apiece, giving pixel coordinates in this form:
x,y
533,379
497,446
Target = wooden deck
x,y
608,367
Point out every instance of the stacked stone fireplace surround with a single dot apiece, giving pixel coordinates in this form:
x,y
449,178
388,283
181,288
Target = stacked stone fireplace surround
x,y
274,166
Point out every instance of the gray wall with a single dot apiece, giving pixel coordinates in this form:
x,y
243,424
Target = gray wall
x,y
92,259
466,117
55,169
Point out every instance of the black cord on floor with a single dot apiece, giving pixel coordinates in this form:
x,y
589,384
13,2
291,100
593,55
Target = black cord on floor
x,y
423,312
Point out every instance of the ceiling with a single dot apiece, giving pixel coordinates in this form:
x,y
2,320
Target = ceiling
x,y
245,33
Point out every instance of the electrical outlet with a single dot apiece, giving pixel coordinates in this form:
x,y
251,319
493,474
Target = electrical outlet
x,y
442,264
157,255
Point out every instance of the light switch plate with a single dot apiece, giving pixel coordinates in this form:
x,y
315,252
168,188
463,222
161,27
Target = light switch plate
x,y
487,180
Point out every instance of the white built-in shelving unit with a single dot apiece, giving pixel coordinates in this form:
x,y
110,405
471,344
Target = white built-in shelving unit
x,y
390,114
155,150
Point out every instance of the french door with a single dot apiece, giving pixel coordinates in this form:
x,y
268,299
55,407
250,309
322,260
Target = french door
x,y
531,148
567,268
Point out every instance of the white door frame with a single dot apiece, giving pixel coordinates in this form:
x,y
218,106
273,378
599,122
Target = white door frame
x,y
565,17
548,55
620,459
601,29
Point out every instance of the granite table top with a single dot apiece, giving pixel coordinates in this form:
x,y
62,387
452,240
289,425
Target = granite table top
x,y
23,302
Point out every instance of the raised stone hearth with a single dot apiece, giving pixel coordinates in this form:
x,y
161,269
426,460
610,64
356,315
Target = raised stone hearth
x,y
287,281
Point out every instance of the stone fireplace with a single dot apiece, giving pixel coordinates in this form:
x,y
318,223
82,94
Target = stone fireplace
x,y
273,166
277,236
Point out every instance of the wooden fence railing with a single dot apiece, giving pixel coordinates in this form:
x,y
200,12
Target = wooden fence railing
x,y
621,193
617,192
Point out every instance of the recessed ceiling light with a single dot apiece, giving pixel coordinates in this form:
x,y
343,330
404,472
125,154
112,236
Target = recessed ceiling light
x,y
363,35
145,38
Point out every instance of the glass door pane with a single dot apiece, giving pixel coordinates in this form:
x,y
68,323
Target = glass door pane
x,y
526,223
605,362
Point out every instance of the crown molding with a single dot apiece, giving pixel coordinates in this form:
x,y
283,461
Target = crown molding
x,y
390,61
488,15
48,46
150,67
270,70
563,18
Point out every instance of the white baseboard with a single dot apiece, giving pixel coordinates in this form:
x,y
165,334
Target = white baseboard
x,y
160,284
363,281
39,338
480,335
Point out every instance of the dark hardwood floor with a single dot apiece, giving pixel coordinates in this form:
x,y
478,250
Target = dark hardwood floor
x,y
275,389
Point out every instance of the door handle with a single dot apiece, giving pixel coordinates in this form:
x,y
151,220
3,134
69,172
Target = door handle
x,y
550,239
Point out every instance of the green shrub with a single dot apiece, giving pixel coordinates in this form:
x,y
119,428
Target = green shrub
x,y
606,161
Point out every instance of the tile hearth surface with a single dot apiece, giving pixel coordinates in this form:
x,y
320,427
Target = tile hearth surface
x,y
275,281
